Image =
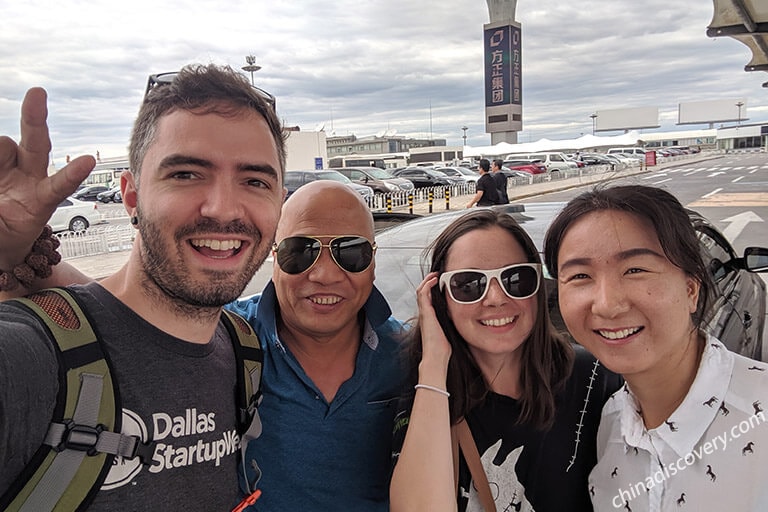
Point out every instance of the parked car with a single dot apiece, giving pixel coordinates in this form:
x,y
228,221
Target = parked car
x,y
632,152
517,173
379,180
112,195
624,160
463,173
90,192
525,165
599,159
422,177
576,160
296,179
739,311
74,215
554,160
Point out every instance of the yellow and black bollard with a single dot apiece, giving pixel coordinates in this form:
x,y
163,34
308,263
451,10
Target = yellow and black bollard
x,y
389,203
431,197
410,202
447,198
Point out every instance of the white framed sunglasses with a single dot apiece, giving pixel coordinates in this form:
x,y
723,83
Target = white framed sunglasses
x,y
468,286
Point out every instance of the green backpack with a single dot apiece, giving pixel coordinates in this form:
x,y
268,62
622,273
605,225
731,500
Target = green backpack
x,y
84,436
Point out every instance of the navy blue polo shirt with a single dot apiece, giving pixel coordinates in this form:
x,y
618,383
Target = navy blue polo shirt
x,y
316,455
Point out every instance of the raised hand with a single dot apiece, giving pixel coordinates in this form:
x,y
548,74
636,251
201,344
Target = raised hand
x,y
435,347
28,196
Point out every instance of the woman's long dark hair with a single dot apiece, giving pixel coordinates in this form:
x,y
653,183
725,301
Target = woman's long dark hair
x,y
662,210
546,358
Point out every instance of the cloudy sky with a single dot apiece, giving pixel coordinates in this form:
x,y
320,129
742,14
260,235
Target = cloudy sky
x,y
364,66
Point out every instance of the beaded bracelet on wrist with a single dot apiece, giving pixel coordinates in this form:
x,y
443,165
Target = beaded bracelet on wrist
x,y
37,264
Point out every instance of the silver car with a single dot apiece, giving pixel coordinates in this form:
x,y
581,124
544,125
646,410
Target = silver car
x,y
380,180
295,179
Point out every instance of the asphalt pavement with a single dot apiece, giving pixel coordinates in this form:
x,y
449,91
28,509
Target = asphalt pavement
x,y
101,265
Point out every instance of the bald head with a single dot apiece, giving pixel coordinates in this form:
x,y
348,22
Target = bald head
x,y
327,206
323,303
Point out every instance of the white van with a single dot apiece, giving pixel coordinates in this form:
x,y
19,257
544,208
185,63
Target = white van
x,y
634,152
554,161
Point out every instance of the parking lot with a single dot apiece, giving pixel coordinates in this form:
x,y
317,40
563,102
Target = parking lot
x,y
113,250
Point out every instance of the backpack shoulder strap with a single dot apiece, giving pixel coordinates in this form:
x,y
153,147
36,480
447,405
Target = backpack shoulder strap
x,y
70,466
250,359
249,362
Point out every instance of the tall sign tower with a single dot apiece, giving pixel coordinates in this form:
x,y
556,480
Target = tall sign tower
x,y
503,72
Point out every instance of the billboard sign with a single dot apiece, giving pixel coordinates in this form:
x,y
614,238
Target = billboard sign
x,y
503,66
503,78
627,119
708,112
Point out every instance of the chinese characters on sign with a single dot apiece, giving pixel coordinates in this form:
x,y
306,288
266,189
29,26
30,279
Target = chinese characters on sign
x,y
503,68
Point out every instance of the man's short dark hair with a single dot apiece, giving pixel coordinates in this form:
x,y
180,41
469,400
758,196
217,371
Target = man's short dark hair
x,y
485,164
498,163
201,89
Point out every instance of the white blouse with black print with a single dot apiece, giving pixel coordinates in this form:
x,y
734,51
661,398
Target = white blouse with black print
x,y
711,454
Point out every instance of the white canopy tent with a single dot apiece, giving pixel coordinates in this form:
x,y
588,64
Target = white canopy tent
x,y
584,142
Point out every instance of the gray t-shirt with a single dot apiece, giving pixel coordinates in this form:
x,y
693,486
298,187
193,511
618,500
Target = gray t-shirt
x,y
179,394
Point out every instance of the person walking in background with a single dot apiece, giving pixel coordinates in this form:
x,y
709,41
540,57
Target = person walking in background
x,y
501,181
487,194
486,362
688,428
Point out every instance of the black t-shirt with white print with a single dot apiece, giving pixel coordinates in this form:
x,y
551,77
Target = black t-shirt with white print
x,y
533,470
177,393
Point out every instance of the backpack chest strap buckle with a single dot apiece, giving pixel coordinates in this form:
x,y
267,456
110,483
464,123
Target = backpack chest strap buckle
x,y
82,438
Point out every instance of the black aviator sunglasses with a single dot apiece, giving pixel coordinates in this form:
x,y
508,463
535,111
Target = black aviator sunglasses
x,y
161,79
297,254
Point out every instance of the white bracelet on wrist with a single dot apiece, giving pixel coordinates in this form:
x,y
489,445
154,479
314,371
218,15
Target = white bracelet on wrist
x,y
432,388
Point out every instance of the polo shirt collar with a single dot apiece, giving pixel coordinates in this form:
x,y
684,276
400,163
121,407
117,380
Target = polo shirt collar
x,y
376,310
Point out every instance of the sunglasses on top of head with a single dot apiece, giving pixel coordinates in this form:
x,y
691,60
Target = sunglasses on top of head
x,y
160,79
468,286
297,254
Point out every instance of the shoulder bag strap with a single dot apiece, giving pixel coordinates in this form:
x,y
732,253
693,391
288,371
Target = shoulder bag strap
x,y
468,447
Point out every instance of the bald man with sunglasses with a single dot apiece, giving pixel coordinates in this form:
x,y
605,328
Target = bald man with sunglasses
x,y
332,371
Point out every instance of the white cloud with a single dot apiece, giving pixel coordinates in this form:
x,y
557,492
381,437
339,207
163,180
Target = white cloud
x,y
365,66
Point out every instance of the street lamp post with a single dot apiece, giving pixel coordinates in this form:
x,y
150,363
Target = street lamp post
x,y
464,128
593,116
739,104
251,67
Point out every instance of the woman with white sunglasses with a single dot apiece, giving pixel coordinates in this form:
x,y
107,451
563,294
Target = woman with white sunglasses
x,y
504,412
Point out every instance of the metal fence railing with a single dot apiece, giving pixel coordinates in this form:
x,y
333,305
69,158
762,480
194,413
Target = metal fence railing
x,y
119,237
96,240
